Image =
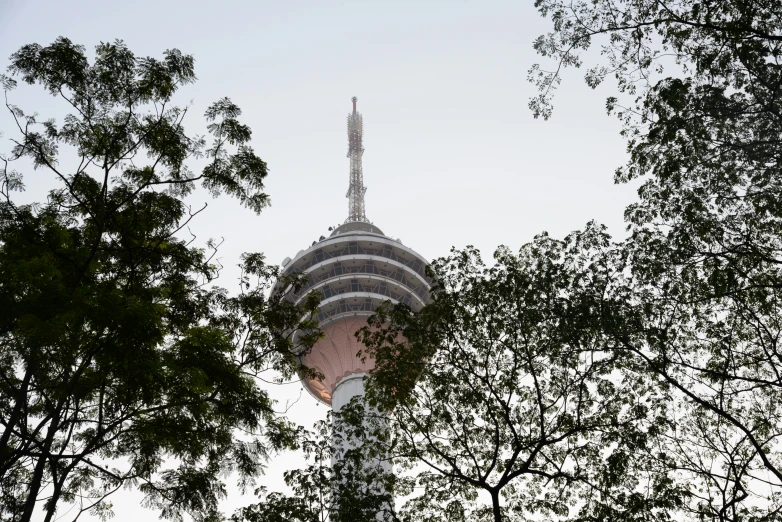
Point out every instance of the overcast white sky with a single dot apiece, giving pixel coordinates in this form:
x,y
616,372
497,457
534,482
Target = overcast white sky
x,y
453,155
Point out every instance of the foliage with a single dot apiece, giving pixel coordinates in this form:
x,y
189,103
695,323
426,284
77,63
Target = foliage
x,y
513,389
347,477
121,365
587,380
699,97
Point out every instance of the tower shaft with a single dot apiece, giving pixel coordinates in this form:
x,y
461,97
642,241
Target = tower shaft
x,y
356,188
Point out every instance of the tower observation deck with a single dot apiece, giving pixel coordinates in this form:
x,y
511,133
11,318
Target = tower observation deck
x,y
356,268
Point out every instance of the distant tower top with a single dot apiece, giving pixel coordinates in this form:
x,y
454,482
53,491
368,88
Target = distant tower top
x,y
356,189
355,270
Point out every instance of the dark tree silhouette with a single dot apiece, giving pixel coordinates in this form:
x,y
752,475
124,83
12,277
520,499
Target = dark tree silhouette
x,y
120,364
505,383
699,94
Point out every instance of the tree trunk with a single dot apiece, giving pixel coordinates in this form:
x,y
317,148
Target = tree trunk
x,y
35,485
58,483
16,413
40,466
495,504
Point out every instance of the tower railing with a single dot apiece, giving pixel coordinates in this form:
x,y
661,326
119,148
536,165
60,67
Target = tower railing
x,y
322,254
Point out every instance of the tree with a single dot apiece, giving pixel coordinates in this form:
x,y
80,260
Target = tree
x,y
699,97
506,384
120,363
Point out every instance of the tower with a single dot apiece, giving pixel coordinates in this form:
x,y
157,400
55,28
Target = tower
x,y
356,268
356,189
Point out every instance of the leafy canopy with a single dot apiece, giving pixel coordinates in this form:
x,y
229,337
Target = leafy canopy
x,y
672,334
697,91
505,384
121,365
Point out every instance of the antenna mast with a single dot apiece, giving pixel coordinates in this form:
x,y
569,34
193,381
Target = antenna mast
x,y
356,189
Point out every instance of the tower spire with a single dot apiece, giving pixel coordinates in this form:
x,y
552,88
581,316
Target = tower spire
x,y
356,189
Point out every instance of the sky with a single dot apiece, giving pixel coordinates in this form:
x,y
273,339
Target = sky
x,y
453,155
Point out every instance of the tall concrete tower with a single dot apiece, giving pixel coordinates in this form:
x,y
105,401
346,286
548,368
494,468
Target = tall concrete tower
x,y
355,269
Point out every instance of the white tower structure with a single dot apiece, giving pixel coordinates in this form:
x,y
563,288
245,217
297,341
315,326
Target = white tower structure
x,y
356,269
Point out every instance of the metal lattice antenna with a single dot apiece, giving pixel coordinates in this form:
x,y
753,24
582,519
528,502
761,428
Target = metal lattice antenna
x,y
356,189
